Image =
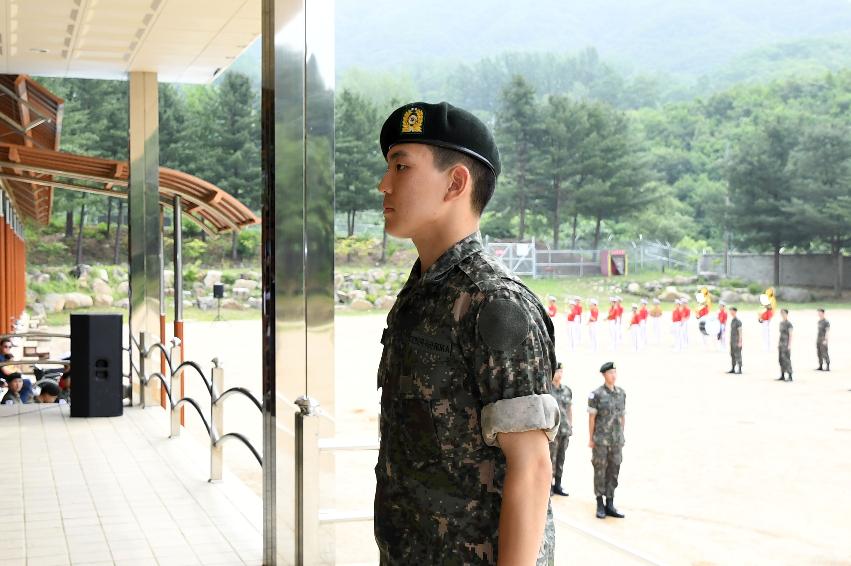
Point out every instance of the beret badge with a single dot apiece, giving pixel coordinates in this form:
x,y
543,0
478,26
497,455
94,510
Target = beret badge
x,y
412,121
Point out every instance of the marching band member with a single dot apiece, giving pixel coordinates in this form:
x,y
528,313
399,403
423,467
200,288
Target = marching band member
x,y
619,304
635,328
613,323
577,328
552,309
702,314
593,314
769,302
571,323
685,314
656,320
722,321
676,323
642,313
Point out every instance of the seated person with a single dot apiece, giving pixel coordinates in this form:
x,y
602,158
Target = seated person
x,y
25,392
65,384
13,396
49,393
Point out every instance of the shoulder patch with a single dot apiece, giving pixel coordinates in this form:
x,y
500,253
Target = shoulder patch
x,y
503,324
591,395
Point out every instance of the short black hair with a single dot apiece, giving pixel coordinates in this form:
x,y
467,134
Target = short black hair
x,y
784,311
820,310
50,388
734,309
5,341
484,179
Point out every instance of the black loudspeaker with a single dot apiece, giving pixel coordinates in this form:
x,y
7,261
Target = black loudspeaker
x,y
96,365
218,291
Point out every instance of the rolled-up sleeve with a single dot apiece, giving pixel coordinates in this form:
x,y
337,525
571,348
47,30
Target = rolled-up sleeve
x,y
513,360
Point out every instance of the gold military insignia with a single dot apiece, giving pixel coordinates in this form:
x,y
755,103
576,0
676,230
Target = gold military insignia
x,y
412,121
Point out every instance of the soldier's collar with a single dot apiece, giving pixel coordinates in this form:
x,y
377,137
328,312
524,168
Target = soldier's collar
x,y
452,257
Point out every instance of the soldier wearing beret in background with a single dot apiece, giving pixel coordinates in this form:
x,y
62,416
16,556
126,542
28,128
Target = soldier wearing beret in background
x,y
464,471
558,447
821,342
606,421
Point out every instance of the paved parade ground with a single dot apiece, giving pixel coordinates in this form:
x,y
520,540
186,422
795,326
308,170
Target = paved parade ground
x,y
718,468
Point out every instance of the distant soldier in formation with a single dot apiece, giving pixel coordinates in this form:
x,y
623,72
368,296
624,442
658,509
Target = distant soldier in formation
x,y
784,347
821,342
735,340
593,315
558,447
606,422
656,320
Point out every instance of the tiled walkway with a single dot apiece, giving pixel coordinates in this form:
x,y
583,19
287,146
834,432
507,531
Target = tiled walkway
x,y
116,491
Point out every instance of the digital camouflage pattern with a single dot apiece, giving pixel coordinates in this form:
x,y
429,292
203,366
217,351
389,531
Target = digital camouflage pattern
x,y
821,346
609,406
438,484
784,353
735,334
558,447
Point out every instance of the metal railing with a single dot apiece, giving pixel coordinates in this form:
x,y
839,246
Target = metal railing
x,y
308,448
171,384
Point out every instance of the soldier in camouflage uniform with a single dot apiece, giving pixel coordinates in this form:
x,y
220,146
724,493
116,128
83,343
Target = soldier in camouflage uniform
x,y
558,447
463,473
735,340
821,342
606,421
784,347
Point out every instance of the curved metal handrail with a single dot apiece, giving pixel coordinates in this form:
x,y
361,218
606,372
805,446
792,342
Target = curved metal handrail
x,y
33,335
197,368
200,411
243,391
244,440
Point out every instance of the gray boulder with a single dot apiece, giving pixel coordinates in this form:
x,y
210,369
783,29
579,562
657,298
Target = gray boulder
x,y
730,297
123,288
794,294
77,301
247,284
102,274
633,288
122,303
206,303
101,287
669,295
361,305
386,302
103,300
749,298
212,278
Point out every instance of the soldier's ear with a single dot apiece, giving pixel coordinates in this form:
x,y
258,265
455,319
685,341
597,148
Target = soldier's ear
x,y
460,182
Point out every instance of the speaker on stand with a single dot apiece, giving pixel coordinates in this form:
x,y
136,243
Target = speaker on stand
x,y
96,365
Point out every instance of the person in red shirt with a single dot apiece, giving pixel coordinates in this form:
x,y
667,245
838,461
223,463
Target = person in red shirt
x,y
635,327
614,335
765,321
722,324
571,324
593,314
577,310
676,325
702,315
552,309
685,318
642,313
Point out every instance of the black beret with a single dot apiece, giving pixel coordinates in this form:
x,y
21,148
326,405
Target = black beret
x,y
559,366
442,125
607,366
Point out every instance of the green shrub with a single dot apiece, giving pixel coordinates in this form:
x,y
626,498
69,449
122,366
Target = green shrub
x,y
192,272
248,244
194,249
755,289
229,278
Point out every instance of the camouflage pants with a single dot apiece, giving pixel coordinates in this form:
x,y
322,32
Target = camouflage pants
x,y
736,355
785,360
558,448
607,464
821,348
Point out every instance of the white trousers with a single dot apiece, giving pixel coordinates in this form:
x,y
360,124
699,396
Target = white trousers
x,y
592,335
766,336
614,335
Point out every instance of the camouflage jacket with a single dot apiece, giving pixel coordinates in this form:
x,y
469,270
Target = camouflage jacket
x,y
609,406
468,353
785,328
735,331
823,325
564,397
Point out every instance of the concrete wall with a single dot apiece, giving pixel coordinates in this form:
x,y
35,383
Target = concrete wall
x,y
796,270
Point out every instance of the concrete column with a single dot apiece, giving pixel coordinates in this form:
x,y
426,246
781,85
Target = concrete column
x,y
144,231
298,256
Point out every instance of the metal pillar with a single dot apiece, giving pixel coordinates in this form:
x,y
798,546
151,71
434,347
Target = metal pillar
x,y
144,209
177,225
298,252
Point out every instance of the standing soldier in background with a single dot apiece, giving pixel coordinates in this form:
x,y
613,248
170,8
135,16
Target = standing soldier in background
x,y
821,342
606,422
722,324
558,447
656,320
784,346
552,309
613,324
593,315
735,340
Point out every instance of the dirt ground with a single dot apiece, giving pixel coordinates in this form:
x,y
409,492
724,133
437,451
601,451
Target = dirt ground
x,y
718,468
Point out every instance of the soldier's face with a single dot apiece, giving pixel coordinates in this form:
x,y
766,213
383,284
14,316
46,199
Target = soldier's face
x,y
557,378
414,191
610,377
820,315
